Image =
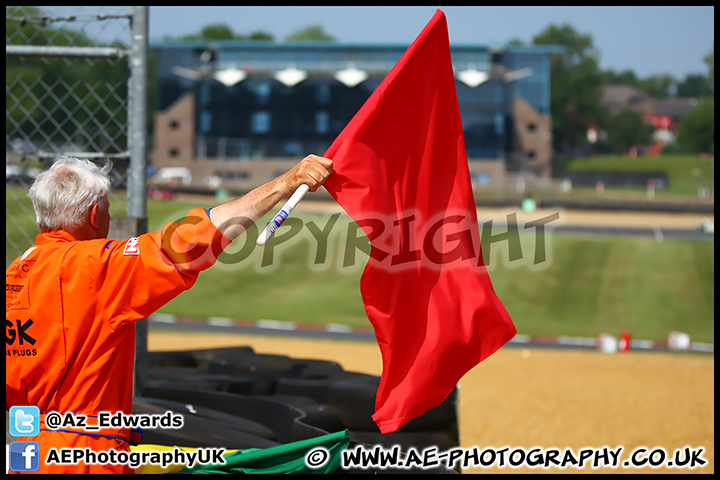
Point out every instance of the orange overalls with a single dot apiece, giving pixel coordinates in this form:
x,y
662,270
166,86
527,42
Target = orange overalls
x,y
70,333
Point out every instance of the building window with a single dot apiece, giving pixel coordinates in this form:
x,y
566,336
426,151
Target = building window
x,y
322,122
205,122
174,124
292,148
173,153
263,93
322,94
532,127
531,154
260,122
499,123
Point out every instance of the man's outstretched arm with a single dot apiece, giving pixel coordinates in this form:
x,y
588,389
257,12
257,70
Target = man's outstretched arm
x,y
234,217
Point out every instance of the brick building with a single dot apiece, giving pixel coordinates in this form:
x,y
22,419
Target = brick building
x,y
239,113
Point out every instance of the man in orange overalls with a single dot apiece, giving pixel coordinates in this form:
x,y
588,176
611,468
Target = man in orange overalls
x,y
72,298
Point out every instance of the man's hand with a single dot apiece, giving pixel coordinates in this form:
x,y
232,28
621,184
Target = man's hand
x,y
311,170
235,217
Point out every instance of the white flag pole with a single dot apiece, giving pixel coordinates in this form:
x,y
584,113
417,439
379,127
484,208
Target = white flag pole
x,y
282,214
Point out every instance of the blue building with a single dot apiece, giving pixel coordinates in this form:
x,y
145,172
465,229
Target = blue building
x,y
237,112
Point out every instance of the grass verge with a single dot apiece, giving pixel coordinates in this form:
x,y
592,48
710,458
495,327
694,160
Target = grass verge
x,y
588,284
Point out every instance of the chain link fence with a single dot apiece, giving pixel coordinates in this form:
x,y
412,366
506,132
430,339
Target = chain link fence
x,y
71,77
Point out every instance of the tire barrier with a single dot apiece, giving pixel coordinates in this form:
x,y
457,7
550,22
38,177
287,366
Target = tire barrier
x,y
171,359
196,377
233,396
227,420
194,358
443,440
324,417
317,388
310,368
317,414
355,401
199,432
165,372
278,417
267,367
215,383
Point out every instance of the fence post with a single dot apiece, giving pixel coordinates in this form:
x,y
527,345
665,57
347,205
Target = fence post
x,y
137,118
137,170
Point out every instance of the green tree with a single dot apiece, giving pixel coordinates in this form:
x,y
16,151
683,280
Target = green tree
x,y
221,31
577,47
659,86
710,60
27,33
625,129
626,77
261,35
32,26
694,85
313,32
575,86
697,129
53,99
217,31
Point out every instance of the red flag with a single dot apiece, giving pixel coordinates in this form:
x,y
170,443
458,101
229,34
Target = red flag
x,y
400,171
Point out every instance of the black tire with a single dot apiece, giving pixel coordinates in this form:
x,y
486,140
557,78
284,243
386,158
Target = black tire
x,y
173,372
315,414
315,387
211,383
229,421
354,399
322,416
267,367
195,358
311,368
205,356
296,401
171,359
443,440
278,417
244,386
199,432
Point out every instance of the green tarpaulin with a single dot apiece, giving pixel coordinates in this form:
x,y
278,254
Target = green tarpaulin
x,y
315,455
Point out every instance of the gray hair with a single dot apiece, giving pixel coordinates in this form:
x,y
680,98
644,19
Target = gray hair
x,y
62,194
